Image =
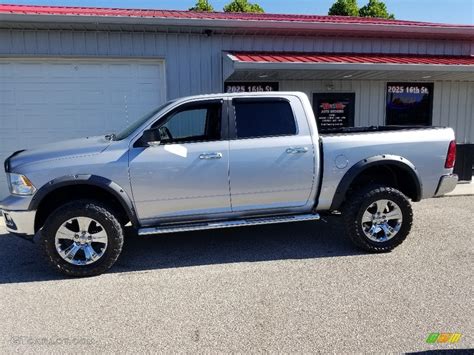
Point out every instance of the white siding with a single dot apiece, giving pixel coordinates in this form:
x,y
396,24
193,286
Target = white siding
x,y
453,106
194,63
453,102
188,53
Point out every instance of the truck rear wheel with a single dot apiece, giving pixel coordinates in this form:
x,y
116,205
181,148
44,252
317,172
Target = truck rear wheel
x,y
378,218
82,238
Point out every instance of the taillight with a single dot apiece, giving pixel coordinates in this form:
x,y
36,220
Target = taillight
x,y
451,156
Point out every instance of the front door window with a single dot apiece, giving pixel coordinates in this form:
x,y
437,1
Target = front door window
x,y
196,123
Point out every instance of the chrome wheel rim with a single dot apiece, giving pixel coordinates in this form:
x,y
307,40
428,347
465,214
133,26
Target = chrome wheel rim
x,y
382,220
81,241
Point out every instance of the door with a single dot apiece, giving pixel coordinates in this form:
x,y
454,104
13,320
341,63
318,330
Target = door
x,y
272,158
47,100
187,174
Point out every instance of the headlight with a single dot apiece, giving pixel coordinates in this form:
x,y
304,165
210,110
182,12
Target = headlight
x,y
20,185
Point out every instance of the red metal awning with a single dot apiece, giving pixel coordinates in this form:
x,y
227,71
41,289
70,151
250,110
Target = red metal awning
x,y
351,58
363,66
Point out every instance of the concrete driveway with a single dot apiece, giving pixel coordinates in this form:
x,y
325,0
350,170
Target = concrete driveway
x,y
282,288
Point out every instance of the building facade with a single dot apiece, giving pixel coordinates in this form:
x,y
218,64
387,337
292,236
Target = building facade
x,y
71,72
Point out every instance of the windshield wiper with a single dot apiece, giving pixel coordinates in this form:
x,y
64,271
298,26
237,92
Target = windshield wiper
x,y
110,137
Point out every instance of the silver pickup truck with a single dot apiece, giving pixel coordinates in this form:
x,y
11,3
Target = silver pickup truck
x,y
220,161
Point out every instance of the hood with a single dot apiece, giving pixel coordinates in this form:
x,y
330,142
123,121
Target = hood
x,y
59,150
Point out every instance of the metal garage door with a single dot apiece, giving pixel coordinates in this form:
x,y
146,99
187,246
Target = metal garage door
x,y
48,100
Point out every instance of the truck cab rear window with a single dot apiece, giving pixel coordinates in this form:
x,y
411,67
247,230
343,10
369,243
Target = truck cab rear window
x,y
263,118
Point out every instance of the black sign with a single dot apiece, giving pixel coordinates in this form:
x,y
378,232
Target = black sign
x,y
250,87
409,103
334,110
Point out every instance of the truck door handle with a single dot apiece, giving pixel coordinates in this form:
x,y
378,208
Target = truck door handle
x,y
210,156
296,150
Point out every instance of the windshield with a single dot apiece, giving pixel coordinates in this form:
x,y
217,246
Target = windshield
x,y
133,127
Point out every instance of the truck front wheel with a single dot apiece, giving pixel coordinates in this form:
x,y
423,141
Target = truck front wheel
x,y
377,218
82,238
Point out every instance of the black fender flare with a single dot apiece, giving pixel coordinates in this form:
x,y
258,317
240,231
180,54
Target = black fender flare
x,y
378,160
91,180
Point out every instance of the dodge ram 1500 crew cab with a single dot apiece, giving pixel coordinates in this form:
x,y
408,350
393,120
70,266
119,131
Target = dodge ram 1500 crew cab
x,y
219,161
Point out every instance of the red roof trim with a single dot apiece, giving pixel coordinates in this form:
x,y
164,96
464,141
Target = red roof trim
x,y
350,58
176,14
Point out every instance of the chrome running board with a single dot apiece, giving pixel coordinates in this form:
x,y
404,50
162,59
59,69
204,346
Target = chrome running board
x,y
175,228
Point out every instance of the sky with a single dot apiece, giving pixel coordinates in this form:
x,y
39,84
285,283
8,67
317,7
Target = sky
x,y
444,11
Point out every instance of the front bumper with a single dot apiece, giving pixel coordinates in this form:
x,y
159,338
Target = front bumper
x,y
447,183
19,219
20,222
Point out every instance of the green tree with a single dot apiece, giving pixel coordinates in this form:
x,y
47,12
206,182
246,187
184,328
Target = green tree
x,y
344,8
202,5
243,6
375,8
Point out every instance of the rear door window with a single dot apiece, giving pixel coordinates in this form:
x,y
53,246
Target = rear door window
x,y
263,118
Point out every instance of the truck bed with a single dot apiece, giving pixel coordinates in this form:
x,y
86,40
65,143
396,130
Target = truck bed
x,y
423,147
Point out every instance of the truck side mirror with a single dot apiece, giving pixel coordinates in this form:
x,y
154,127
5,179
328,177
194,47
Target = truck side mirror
x,y
151,137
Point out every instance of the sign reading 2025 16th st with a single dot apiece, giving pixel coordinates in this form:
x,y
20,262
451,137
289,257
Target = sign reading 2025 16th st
x,y
250,87
334,110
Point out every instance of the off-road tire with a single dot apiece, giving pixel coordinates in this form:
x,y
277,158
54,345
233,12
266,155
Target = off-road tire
x,y
355,207
86,208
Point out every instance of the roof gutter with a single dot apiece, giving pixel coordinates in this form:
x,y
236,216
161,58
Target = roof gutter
x,y
404,31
